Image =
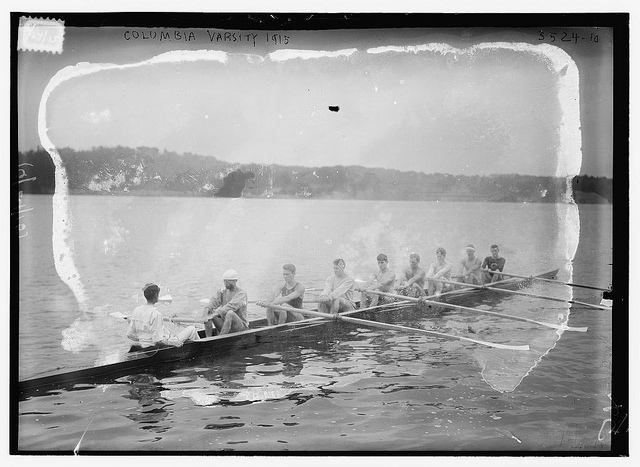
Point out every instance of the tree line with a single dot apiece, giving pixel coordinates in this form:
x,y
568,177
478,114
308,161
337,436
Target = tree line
x,y
148,171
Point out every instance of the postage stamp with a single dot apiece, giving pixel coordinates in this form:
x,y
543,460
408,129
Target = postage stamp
x,y
40,35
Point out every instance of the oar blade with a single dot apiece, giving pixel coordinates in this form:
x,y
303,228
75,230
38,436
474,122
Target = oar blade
x,y
495,345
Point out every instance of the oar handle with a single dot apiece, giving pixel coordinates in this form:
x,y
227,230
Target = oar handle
x,y
184,320
300,310
410,299
393,295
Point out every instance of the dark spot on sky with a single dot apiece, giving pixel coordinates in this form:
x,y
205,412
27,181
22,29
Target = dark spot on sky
x,y
334,108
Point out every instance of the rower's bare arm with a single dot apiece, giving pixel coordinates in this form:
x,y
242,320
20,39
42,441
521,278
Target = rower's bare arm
x,y
372,283
414,278
402,280
282,299
277,297
267,302
299,292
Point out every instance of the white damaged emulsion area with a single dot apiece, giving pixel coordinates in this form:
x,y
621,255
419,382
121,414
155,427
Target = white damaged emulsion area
x,y
430,103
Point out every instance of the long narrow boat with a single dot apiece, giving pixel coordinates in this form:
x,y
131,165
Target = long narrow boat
x,y
258,331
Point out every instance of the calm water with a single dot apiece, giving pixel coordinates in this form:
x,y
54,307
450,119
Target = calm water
x,y
343,387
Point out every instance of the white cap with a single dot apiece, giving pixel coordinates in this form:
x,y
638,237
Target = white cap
x,y
230,275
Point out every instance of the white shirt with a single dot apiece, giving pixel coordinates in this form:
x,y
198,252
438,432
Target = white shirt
x,y
147,327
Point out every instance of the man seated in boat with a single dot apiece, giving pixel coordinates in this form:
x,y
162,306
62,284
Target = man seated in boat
x,y
146,326
382,281
290,295
338,292
412,282
471,266
227,309
492,265
439,273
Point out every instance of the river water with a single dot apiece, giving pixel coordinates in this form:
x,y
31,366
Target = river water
x,y
344,387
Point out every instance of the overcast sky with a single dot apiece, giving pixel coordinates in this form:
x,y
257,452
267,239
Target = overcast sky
x,y
422,100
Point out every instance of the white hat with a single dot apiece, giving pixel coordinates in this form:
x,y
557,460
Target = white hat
x,y
230,275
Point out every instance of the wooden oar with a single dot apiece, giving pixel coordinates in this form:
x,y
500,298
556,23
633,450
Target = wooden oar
x,y
381,307
396,327
386,306
553,281
117,314
526,294
477,310
457,291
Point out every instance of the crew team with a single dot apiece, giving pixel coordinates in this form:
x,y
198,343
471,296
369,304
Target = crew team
x,y
226,311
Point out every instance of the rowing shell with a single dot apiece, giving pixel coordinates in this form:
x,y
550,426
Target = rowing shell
x,y
258,331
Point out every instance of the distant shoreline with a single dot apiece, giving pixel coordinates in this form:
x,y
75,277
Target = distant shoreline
x,y
120,171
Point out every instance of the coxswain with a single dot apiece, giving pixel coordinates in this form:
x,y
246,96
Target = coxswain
x,y
146,326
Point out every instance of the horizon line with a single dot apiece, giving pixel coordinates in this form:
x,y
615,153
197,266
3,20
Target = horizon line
x,y
238,164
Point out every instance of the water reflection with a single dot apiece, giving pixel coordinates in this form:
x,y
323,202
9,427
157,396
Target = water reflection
x,y
292,362
237,379
225,372
152,407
